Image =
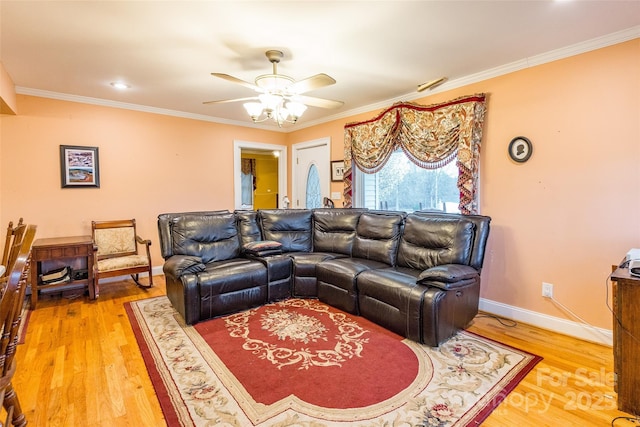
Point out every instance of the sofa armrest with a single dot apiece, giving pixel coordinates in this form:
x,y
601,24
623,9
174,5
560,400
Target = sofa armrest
x,y
177,265
448,276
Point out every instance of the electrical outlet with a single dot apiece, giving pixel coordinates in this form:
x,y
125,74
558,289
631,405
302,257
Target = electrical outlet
x,y
547,290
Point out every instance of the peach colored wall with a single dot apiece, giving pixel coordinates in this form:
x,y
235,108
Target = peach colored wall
x,y
573,209
563,217
149,164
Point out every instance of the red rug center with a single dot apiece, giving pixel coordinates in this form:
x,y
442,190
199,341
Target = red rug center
x,y
307,349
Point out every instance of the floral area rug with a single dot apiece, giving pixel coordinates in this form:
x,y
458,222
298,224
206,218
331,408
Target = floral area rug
x,y
302,363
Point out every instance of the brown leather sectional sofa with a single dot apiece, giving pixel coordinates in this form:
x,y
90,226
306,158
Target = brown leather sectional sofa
x,y
417,275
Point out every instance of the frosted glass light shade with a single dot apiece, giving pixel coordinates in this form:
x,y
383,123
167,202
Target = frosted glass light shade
x,y
296,109
254,109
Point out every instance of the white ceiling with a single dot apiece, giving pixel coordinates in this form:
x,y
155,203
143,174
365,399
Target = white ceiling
x,y
378,51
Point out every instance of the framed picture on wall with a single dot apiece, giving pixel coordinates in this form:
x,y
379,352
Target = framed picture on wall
x,y
337,170
79,166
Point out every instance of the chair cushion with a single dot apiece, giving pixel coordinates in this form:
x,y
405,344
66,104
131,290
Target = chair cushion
x,y
123,262
112,241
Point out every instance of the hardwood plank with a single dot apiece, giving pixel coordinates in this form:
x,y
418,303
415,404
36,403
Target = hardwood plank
x,y
81,365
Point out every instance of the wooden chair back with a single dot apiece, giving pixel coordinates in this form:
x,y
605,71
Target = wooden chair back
x,y
11,302
12,245
114,238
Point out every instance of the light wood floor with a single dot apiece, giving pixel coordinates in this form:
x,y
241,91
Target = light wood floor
x,y
80,366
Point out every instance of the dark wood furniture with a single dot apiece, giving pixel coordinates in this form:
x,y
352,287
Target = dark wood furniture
x,y
61,249
12,296
12,245
626,339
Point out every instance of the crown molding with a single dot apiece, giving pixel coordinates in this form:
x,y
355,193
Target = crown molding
x,y
135,107
554,55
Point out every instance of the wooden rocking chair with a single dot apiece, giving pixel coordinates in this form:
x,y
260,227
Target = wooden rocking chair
x,y
116,245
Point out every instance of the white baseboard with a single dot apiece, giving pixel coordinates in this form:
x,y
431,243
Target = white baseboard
x,y
544,321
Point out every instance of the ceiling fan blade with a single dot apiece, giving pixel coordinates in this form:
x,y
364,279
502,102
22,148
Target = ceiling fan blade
x,y
232,79
312,83
224,101
318,102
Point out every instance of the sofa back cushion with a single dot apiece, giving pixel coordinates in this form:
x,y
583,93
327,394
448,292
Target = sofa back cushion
x,y
377,236
248,227
165,223
334,230
482,224
291,227
430,241
210,237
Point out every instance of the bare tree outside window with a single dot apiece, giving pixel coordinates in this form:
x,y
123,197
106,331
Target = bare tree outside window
x,y
402,185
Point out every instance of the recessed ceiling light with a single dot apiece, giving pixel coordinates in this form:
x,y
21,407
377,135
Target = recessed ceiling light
x,y
120,85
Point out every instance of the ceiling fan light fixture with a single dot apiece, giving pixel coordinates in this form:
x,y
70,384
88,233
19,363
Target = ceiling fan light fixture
x,y
274,82
270,102
280,96
296,109
254,109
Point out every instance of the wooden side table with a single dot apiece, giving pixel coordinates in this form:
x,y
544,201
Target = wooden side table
x,y
626,339
60,248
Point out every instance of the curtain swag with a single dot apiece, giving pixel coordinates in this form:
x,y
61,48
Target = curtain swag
x,y
431,137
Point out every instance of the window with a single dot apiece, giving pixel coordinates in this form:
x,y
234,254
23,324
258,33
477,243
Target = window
x,y
247,190
402,185
313,189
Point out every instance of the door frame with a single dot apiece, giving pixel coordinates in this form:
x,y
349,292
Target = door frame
x,y
238,145
294,164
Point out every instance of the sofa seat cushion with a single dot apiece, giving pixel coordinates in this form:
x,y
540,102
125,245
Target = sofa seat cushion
x,y
304,284
232,275
230,286
304,263
337,281
392,298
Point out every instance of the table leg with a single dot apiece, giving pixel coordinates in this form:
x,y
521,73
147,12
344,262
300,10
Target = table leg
x,y
34,284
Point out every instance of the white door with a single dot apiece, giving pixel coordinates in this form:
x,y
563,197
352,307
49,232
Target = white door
x,y
311,174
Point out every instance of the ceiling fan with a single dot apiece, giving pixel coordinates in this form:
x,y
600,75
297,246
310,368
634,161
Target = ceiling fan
x,y
280,97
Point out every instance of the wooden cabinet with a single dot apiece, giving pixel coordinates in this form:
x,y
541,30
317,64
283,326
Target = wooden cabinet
x,y
626,339
61,249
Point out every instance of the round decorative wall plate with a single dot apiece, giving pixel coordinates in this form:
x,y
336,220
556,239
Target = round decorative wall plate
x,y
520,149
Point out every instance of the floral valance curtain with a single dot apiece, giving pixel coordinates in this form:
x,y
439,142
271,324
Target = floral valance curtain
x,y
430,136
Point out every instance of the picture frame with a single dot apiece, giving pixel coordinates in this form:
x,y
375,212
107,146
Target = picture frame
x,y
520,149
337,170
79,167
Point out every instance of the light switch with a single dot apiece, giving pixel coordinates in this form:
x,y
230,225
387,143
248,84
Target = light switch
x,y
335,195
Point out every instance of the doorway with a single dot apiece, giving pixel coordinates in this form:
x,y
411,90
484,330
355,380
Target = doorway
x,y
310,170
267,185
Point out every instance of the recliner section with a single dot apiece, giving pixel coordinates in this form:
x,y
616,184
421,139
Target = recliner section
x,y
417,275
